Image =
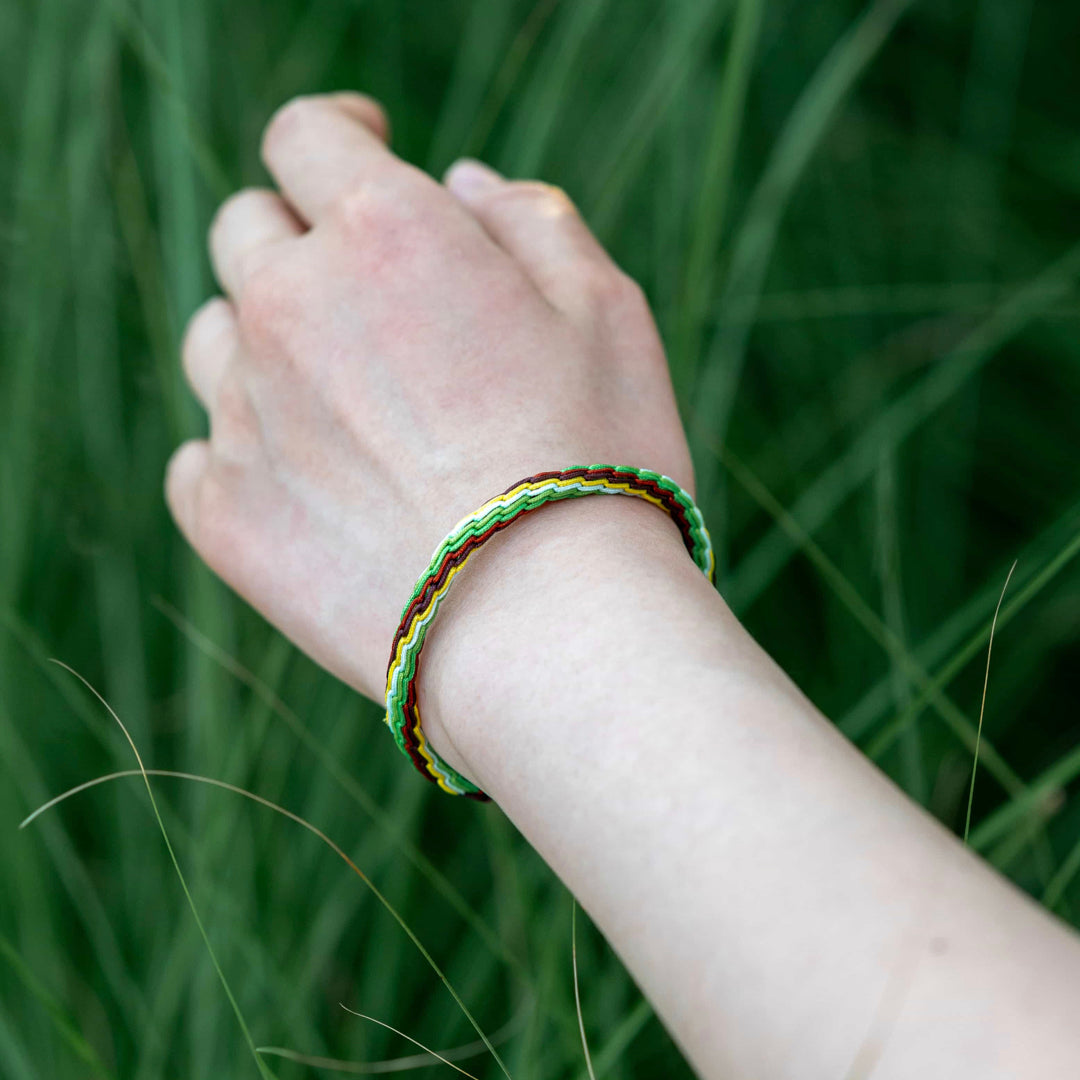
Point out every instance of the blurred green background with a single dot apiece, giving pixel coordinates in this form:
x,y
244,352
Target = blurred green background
x,y
857,224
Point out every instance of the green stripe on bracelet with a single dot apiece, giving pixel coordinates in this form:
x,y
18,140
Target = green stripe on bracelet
x,y
402,709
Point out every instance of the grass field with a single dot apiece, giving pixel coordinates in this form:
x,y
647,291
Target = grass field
x,y
858,225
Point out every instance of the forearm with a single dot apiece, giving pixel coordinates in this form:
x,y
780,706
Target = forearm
x,y
783,905
780,902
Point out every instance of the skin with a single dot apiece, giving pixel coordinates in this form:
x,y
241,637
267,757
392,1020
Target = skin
x,y
392,351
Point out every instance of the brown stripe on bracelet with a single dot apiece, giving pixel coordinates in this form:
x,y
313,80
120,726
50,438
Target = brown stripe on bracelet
x,y
452,559
521,498
412,743
455,558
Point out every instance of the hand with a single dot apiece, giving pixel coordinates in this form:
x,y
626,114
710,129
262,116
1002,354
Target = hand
x,y
389,354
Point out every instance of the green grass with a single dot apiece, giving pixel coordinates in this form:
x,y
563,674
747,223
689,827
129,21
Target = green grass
x,y
856,223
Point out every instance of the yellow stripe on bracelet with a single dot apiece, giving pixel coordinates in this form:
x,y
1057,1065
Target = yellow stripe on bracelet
x,y
402,710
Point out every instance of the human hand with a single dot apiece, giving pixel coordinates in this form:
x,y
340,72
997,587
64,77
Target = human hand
x,y
389,354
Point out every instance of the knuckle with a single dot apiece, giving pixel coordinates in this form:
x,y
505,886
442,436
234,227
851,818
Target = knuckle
x,y
388,223
392,198
252,260
234,413
213,518
617,306
629,294
269,295
362,209
604,285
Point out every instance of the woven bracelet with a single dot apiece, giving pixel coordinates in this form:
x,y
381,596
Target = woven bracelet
x,y
402,710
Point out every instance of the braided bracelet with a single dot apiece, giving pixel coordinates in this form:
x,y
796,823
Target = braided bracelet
x,y
402,710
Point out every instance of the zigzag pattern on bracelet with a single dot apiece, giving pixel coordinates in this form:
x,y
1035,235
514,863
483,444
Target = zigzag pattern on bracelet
x,y
402,710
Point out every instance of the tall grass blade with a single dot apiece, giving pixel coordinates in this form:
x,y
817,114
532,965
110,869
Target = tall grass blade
x,y
801,135
960,659
542,101
1041,793
259,1064
577,991
388,823
313,829
982,705
399,1064
621,1038
945,647
434,1053
64,1025
716,182
692,28
848,595
892,425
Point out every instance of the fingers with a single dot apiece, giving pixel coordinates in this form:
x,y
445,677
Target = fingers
x,y
540,228
210,344
186,470
248,226
320,148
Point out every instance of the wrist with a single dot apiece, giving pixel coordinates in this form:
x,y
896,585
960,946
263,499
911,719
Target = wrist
x,y
537,607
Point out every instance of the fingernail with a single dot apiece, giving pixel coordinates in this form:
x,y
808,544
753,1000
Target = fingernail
x,y
470,177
